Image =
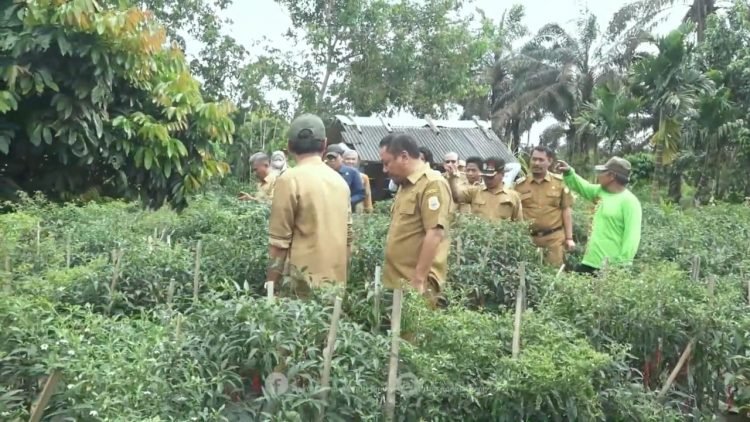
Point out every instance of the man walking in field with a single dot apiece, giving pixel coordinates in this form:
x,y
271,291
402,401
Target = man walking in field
x,y
310,228
616,229
416,250
261,167
547,203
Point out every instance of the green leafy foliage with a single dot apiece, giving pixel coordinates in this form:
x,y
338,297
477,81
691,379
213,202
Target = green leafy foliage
x,y
94,105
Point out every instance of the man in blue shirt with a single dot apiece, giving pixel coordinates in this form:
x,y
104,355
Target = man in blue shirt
x,y
335,160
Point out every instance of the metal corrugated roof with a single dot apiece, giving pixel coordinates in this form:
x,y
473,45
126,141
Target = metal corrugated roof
x,y
462,136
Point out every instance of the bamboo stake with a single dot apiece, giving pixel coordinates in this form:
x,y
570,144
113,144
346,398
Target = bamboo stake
x,y
748,291
516,347
376,306
269,291
696,268
672,376
459,250
540,251
325,377
196,271
390,397
116,258
37,409
170,293
67,250
38,238
560,271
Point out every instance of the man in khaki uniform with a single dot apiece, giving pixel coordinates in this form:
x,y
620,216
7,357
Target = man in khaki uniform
x,y
261,165
416,250
492,201
310,229
351,159
450,159
473,178
547,205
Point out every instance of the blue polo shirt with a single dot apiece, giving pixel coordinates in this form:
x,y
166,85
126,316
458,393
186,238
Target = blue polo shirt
x,y
354,180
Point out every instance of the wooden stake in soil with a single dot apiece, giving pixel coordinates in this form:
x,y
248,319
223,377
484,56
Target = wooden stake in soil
x,y
520,297
376,305
560,271
67,251
325,376
197,271
695,270
459,250
38,238
170,294
269,291
116,259
672,376
390,396
540,251
37,409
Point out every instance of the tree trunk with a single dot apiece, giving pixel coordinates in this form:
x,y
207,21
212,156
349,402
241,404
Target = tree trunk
x,y
515,130
658,171
675,184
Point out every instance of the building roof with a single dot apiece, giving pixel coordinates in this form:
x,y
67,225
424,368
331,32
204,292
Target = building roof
x,y
466,137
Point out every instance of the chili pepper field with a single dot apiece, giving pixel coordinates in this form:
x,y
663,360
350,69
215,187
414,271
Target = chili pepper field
x,y
113,313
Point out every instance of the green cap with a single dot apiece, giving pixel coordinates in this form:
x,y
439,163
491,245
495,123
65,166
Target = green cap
x,y
307,126
616,165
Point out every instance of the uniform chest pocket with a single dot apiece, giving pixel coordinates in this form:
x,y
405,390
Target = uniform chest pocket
x,y
408,206
526,198
553,198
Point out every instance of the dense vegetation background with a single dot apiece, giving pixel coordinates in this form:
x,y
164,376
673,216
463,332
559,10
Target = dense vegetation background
x,y
98,102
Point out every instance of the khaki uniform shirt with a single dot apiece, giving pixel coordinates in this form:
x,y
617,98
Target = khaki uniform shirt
x,y
311,217
366,205
543,202
265,187
423,202
491,204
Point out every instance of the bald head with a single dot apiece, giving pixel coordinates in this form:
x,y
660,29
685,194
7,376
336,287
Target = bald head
x,y
450,158
351,158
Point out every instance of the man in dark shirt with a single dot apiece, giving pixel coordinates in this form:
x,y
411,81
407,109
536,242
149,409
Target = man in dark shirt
x,y
335,160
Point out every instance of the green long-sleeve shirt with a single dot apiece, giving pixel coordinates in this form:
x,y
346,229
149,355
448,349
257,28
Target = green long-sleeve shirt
x,y
616,229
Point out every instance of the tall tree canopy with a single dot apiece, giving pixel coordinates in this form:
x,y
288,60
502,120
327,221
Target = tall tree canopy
x,y
92,102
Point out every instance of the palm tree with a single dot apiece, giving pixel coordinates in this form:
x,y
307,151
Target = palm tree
x,y
672,87
553,74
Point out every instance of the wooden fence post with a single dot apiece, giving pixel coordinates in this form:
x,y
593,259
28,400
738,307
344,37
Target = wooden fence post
x,y
520,297
390,396
695,269
325,376
37,409
197,271
67,250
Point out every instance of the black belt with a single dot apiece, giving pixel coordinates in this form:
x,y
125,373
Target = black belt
x,y
540,233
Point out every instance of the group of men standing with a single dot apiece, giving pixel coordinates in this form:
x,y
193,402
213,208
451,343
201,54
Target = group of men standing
x,y
310,232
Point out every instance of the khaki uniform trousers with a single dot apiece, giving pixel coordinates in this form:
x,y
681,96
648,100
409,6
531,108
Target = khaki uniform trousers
x,y
554,247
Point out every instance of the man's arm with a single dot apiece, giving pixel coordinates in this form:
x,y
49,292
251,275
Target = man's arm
x,y
566,204
460,192
368,193
281,227
632,216
435,212
580,186
518,209
358,191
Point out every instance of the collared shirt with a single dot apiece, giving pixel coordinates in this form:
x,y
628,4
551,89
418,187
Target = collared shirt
x,y
423,202
494,204
266,186
311,217
466,208
354,181
543,201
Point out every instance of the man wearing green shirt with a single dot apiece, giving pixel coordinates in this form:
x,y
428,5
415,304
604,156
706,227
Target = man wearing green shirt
x,y
616,229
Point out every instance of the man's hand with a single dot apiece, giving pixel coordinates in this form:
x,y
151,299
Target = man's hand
x,y
570,244
451,169
562,166
244,196
420,284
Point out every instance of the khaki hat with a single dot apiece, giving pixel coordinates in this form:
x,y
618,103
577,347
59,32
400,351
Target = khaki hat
x,y
616,165
307,126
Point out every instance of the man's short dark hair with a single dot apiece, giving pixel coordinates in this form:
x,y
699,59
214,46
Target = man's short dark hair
x,y
306,143
474,160
620,179
428,157
396,143
547,150
496,162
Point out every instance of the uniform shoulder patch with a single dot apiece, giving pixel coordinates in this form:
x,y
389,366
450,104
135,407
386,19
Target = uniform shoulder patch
x,y
433,203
